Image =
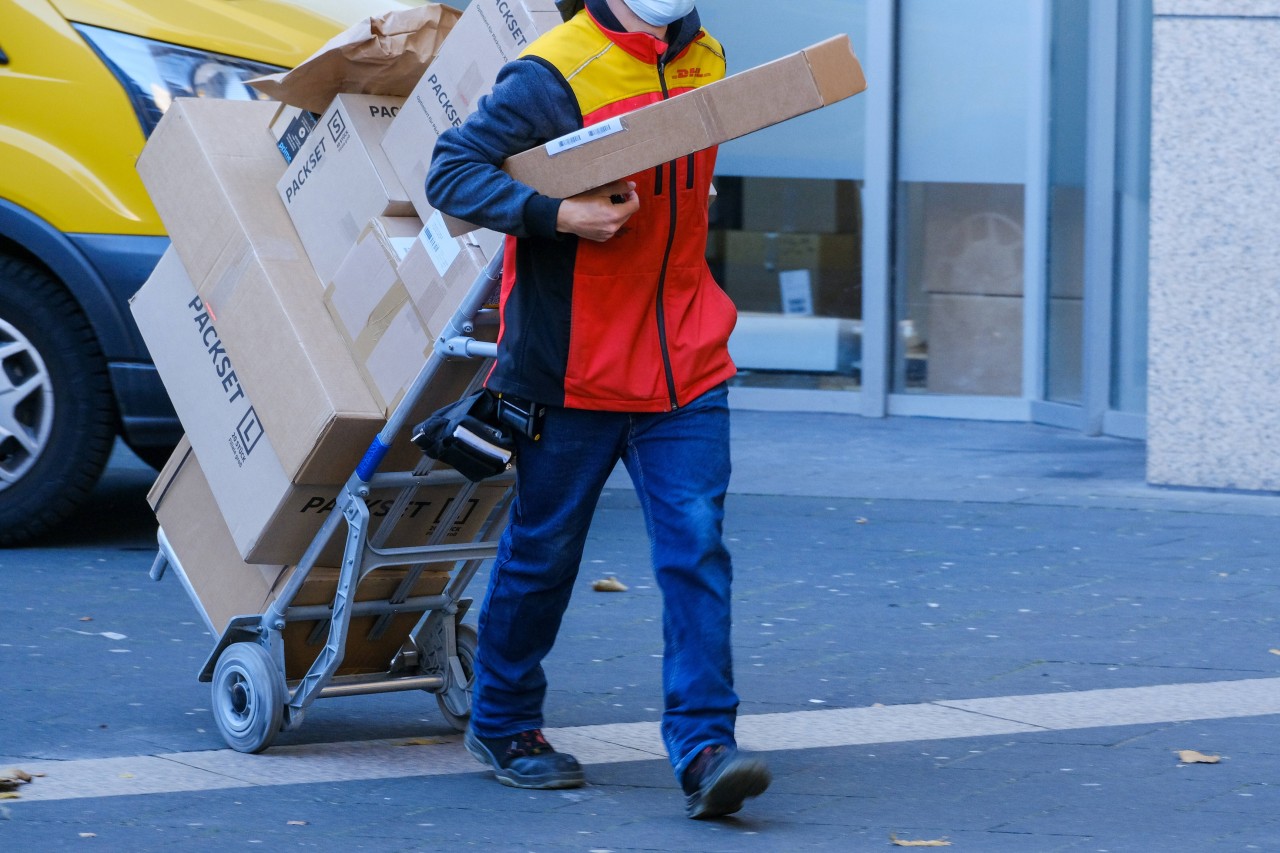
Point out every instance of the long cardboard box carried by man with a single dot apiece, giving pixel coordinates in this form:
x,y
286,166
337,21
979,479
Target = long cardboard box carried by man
x,y
809,79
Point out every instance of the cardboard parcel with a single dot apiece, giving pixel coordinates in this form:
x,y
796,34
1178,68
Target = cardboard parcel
x,y
223,585
809,79
340,179
381,55
489,34
270,518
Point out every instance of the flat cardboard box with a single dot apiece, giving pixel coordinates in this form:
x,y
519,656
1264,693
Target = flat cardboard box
x,y
439,269
489,34
804,81
270,519
341,178
290,129
391,302
224,586
211,169
374,312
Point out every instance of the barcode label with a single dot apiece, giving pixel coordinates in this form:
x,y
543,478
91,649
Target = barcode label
x,y
441,247
587,134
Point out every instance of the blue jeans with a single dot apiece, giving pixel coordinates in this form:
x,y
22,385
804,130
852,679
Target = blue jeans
x,y
679,463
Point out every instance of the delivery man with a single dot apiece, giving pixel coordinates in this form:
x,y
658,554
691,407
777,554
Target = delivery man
x,y
611,320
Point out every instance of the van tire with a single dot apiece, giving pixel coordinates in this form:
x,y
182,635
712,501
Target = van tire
x,y
67,411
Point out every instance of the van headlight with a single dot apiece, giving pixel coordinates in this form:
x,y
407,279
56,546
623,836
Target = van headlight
x,y
153,73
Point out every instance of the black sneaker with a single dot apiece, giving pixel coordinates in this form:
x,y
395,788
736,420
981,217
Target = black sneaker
x,y
525,760
719,778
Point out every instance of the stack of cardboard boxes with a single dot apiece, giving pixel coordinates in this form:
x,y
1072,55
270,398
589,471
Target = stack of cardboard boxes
x,y
299,299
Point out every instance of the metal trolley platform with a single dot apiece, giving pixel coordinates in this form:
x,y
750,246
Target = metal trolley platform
x,y
253,696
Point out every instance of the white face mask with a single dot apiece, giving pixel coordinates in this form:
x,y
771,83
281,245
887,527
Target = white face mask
x,y
659,13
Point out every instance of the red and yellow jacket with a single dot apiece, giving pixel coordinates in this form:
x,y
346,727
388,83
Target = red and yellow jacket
x,y
633,324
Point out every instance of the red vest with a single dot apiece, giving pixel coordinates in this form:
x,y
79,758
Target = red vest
x,y
636,323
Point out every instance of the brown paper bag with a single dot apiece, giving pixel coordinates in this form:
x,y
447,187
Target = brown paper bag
x,y
382,55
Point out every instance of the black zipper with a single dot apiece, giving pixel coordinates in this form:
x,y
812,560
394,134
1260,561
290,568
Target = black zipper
x,y
688,181
666,258
657,181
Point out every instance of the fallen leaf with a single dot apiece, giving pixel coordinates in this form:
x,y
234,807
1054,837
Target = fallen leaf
x,y
9,795
11,779
900,842
609,584
296,823
422,741
1190,756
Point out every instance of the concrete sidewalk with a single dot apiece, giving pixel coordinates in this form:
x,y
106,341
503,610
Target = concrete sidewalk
x,y
994,635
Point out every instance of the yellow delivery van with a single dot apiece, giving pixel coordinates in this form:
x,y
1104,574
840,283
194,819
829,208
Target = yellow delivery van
x,y
82,83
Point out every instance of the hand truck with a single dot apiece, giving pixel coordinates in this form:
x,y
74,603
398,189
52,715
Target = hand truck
x,y
253,699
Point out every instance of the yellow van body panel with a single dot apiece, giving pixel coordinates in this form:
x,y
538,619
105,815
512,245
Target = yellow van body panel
x,y
69,137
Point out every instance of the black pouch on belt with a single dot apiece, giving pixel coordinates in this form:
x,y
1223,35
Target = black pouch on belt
x,y
467,436
521,415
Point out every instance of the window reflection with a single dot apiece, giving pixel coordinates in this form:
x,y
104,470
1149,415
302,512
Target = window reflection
x,y
959,289
962,169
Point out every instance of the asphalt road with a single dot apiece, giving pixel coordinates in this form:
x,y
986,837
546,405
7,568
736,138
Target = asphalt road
x,y
993,635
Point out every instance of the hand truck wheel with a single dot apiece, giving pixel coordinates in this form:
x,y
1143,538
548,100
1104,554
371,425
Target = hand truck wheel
x,y
455,699
248,697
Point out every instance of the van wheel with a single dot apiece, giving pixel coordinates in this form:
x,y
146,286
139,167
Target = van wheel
x,y
57,414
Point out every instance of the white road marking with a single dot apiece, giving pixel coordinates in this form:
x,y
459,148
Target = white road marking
x,y
605,744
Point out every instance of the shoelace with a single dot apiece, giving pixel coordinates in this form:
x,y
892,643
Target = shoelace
x,y
528,743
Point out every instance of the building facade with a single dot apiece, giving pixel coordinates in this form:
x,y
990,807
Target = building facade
x,y
977,235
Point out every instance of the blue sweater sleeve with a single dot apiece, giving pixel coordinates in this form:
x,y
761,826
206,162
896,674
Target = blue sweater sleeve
x,y
530,105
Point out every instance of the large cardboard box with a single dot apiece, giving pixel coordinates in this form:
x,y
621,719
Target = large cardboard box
x,y
224,586
341,178
975,344
761,269
211,169
804,81
270,519
489,34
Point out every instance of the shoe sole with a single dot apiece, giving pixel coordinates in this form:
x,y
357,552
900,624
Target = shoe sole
x,y
507,776
726,793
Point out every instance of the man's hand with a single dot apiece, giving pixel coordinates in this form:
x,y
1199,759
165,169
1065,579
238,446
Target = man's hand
x,y
600,213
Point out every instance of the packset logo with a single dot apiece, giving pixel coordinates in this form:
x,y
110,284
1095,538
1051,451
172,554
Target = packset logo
x,y
513,25
337,126
305,168
450,111
249,430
